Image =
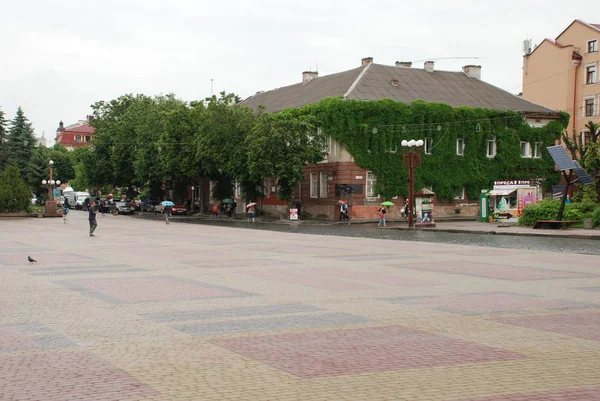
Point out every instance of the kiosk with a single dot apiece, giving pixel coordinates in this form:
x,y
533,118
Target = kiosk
x,y
508,198
424,208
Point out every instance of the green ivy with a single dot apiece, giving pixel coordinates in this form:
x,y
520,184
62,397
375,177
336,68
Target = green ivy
x,y
372,130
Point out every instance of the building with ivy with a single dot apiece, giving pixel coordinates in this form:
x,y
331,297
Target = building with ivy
x,y
474,134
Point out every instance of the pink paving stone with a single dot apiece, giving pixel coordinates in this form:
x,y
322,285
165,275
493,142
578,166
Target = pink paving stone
x,y
66,375
488,302
139,289
377,278
45,258
580,325
577,394
364,350
4,307
495,271
11,337
308,279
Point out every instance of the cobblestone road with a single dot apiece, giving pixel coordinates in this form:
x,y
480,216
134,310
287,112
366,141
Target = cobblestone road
x,y
145,311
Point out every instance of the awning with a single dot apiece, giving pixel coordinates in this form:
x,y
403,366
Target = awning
x,y
501,192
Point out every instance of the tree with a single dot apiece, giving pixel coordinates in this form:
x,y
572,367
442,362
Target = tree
x,y
587,152
37,170
3,141
15,196
21,140
280,145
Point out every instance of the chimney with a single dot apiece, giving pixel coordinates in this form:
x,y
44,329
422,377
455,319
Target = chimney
x,y
472,71
405,64
429,66
61,127
366,60
308,76
89,118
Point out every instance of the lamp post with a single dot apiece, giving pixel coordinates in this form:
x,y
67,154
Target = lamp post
x,y
193,204
50,203
411,155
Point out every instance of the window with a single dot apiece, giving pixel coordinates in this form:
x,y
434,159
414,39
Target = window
x,y
238,190
590,74
460,146
592,46
589,107
371,184
491,147
394,148
77,138
460,195
323,186
314,185
586,137
537,150
525,149
266,187
88,138
428,145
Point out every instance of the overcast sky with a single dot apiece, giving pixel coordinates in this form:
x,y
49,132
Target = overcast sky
x,y
60,56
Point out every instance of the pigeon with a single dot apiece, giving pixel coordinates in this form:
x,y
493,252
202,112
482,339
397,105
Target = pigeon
x,y
31,260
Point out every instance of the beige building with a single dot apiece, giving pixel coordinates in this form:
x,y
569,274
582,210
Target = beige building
x,y
562,74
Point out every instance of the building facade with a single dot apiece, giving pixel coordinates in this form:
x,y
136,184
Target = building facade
x,y
325,183
75,135
562,74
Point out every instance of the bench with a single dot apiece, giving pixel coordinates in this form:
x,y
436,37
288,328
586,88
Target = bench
x,y
554,224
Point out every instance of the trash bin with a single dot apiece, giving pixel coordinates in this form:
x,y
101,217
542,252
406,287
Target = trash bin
x,y
587,223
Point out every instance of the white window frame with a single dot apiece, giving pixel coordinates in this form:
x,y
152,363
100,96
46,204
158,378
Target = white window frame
x,y
584,133
585,74
494,148
525,150
323,184
585,99
394,148
238,190
314,185
461,196
427,145
537,150
371,185
587,46
460,151
332,148
78,138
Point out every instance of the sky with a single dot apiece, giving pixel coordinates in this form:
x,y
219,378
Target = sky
x,y
58,57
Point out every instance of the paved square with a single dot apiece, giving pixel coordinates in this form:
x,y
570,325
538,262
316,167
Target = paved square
x,y
146,311
494,302
378,349
145,289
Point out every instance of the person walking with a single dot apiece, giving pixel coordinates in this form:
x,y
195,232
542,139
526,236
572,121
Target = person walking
x,y
251,212
344,212
382,211
167,212
92,211
65,212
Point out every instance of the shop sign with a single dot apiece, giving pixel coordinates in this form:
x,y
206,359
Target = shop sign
x,y
512,182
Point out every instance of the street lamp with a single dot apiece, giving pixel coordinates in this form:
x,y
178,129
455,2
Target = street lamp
x,y
412,157
193,204
50,203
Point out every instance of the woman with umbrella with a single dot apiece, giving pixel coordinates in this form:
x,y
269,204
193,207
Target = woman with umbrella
x,y
382,211
251,211
167,209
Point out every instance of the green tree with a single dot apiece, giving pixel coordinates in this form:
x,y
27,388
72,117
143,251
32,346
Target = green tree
x,y
15,196
587,152
21,140
37,170
280,146
3,141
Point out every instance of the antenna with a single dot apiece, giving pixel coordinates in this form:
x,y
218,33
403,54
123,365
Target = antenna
x,y
527,47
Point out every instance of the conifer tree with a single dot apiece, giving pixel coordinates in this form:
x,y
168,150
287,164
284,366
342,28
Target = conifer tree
x,y
21,140
3,141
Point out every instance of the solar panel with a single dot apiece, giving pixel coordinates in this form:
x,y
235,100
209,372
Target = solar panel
x,y
561,157
584,178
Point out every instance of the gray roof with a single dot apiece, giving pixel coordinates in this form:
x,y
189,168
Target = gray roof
x,y
374,81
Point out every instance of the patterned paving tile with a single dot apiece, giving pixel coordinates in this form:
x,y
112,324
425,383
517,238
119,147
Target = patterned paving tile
x,y
580,325
363,350
488,302
28,337
576,394
308,279
46,258
66,376
377,278
148,289
271,324
497,271
230,312
593,289
213,263
57,272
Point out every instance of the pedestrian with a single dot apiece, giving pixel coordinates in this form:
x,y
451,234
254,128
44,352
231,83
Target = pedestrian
x,y
251,213
344,212
382,211
215,210
405,210
167,212
65,212
92,211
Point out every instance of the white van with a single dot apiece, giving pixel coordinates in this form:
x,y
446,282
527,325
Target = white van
x,y
77,198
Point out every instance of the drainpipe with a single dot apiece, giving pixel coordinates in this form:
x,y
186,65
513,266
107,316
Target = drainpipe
x,y
576,60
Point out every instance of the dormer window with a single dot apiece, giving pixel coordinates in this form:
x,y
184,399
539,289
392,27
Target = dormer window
x,y
592,46
395,82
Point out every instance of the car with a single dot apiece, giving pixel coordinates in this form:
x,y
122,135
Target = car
x,y
178,209
123,207
148,205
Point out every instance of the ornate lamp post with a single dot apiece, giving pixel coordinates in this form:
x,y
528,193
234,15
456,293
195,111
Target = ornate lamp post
x,y
411,155
50,203
193,204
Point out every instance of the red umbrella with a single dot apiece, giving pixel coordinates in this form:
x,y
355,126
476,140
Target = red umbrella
x,y
342,201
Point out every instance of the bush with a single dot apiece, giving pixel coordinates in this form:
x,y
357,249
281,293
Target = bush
x,y
548,210
15,196
596,217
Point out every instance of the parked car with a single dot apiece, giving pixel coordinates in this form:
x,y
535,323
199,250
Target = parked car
x,y
178,209
77,199
123,207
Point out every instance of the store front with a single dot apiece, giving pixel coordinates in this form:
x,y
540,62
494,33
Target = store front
x,y
508,198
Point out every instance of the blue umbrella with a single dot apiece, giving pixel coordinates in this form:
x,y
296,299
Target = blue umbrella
x,y
167,203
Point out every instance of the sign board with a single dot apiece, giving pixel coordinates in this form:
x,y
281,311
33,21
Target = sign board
x,y
512,182
359,177
293,214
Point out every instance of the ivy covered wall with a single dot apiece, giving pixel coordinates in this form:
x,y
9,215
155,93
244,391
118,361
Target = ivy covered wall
x,y
373,130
